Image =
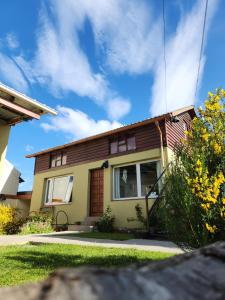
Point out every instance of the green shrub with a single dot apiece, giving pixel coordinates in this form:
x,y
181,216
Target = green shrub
x,y
106,222
139,216
36,227
15,225
38,223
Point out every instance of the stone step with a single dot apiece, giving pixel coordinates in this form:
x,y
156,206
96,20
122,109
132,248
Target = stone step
x,y
90,221
84,228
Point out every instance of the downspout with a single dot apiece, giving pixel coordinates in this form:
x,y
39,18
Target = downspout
x,y
161,145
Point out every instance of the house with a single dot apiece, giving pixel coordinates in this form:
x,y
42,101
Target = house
x,y
115,168
14,108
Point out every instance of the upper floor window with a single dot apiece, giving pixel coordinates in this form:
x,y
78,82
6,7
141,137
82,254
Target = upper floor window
x,y
123,144
58,159
185,126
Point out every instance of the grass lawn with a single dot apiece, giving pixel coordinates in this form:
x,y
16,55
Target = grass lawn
x,y
118,236
28,263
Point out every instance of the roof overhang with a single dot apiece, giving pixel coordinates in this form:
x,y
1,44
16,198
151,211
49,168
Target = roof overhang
x,y
16,107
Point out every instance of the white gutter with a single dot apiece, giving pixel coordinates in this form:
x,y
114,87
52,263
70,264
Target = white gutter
x,y
27,99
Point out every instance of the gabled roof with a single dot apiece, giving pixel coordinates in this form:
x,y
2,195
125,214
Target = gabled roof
x,y
119,130
16,107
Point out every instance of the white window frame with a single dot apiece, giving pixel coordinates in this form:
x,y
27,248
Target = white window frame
x,y
138,178
46,190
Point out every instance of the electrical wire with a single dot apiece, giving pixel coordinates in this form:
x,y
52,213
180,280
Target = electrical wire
x,y
164,53
201,49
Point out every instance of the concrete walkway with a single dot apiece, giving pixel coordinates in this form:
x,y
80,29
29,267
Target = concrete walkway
x,y
65,238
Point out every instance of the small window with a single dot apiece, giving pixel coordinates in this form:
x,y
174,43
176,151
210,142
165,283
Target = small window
x,y
123,144
131,143
59,190
113,147
58,159
185,127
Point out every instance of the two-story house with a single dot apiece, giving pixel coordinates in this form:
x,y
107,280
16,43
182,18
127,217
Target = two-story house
x,y
114,168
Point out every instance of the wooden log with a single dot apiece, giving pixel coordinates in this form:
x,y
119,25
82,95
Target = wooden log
x,y
197,275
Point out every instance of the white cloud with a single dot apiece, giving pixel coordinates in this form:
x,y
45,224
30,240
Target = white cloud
x,y
77,124
118,107
29,148
182,51
12,41
129,35
12,74
59,61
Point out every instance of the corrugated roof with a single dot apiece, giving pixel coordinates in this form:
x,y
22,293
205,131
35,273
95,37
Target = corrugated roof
x,y
117,130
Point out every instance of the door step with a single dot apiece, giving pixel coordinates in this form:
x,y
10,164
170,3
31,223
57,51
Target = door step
x,y
90,221
84,228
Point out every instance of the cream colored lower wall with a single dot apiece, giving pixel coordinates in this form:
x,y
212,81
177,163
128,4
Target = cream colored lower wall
x,y
23,206
78,210
4,136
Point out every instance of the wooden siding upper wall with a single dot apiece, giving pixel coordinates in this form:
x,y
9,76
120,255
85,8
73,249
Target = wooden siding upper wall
x,y
147,137
175,131
42,163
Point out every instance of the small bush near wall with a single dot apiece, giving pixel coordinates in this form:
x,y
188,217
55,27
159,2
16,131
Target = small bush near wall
x,y
6,216
10,220
139,216
106,222
38,223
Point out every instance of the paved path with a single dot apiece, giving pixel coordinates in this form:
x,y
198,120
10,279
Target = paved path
x,y
61,238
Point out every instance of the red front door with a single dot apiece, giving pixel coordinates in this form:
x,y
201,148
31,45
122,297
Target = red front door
x,y
96,192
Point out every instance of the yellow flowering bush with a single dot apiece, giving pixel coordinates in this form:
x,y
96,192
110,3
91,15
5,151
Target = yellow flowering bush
x,y
6,216
195,213
10,220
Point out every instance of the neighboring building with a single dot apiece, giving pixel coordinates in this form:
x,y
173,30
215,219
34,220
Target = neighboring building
x,y
10,181
115,169
14,108
9,185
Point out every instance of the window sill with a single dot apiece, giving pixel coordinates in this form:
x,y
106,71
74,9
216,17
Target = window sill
x,y
56,204
121,153
134,198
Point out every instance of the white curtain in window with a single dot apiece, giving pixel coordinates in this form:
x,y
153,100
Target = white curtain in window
x,y
117,183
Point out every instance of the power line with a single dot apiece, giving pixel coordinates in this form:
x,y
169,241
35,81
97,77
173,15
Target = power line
x,y
164,54
202,43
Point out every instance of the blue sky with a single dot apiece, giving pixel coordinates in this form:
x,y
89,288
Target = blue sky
x,y
100,64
